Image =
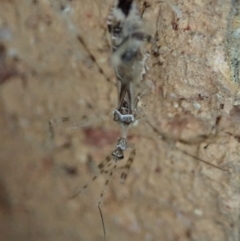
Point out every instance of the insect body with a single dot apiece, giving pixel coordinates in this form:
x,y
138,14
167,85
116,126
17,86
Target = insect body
x,y
128,57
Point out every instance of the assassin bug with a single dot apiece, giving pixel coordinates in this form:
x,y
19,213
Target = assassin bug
x,y
128,57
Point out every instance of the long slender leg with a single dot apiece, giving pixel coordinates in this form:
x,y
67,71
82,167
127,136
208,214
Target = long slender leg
x,y
167,139
101,197
106,184
80,39
102,168
72,123
128,166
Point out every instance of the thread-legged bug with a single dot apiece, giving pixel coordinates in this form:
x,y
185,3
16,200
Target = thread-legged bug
x,y
128,59
125,108
168,196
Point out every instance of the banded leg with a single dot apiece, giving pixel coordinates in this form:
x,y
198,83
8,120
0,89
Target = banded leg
x,y
102,169
106,183
128,166
100,70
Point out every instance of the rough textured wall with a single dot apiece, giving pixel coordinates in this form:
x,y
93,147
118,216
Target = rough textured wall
x,y
191,102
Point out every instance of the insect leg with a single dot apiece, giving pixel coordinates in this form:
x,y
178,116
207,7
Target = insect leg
x,y
102,168
128,166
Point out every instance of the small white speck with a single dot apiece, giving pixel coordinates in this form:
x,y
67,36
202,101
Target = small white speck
x,y
173,96
236,33
177,10
198,212
236,102
67,10
197,105
135,123
176,105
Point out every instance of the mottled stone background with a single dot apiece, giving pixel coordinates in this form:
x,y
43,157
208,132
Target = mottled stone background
x,y
46,73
